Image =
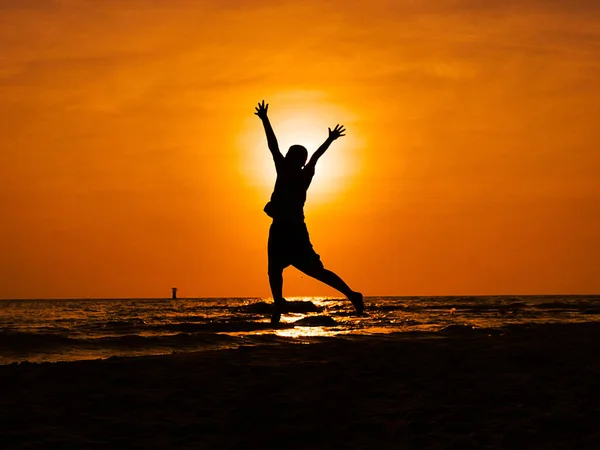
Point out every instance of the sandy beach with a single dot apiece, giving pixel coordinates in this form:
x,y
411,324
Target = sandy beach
x,y
533,387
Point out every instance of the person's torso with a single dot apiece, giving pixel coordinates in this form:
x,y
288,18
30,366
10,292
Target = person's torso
x,y
289,195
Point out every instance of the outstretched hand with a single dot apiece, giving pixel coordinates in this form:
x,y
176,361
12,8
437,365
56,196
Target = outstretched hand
x,y
337,132
261,110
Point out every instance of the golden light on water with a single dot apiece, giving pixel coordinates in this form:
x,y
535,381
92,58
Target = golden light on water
x,y
302,332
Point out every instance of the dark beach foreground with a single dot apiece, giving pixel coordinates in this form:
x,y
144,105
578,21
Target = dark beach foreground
x,y
525,387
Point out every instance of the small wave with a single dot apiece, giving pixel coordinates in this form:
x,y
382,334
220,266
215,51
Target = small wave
x,y
290,307
123,323
516,306
457,330
316,321
216,327
181,318
12,343
473,307
387,308
566,305
12,340
467,330
136,342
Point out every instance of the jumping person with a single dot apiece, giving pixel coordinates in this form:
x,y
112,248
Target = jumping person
x,y
289,243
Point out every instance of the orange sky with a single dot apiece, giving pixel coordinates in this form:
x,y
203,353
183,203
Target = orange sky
x,y
131,161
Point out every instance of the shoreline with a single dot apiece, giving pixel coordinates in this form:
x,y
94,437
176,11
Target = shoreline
x,y
525,388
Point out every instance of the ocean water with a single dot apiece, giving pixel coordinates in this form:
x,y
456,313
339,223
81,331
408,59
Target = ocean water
x,y
67,330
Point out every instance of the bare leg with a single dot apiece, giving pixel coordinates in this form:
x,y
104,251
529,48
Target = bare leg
x,y
276,283
332,279
329,278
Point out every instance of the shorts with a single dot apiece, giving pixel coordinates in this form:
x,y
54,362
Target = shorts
x,y
289,244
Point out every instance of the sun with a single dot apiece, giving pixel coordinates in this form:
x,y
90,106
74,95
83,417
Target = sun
x,y
297,120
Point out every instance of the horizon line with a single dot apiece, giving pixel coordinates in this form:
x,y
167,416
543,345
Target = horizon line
x,y
298,296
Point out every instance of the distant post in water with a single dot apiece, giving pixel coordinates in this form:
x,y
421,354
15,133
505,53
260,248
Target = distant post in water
x,y
174,293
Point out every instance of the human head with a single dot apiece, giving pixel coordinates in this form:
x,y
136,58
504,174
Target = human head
x,y
296,156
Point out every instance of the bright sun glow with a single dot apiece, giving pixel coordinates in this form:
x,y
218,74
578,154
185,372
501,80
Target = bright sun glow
x,y
305,121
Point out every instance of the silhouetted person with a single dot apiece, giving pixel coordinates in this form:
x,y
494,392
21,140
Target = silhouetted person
x,y
174,293
289,243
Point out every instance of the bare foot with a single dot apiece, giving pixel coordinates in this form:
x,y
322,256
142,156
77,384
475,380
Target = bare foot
x,y
278,308
357,300
275,317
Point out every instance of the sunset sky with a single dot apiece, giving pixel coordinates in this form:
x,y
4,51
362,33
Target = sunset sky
x,y
131,160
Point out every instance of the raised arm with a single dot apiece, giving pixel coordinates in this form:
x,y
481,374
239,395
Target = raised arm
x,y
337,132
261,112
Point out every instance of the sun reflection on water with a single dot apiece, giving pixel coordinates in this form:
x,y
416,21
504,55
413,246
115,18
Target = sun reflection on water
x,y
318,301
302,332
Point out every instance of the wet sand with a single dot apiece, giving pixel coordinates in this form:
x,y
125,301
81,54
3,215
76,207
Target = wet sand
x,y
536,387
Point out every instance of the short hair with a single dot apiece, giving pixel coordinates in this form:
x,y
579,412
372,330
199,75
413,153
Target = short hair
x,y
295,151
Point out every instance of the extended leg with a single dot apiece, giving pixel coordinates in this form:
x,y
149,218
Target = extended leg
x,y
332,279
329,278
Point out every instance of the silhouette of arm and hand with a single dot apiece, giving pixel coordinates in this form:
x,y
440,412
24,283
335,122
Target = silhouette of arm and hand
x,y
261,112
334,134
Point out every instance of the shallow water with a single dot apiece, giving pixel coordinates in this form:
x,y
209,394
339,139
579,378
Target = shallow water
x,y
65,330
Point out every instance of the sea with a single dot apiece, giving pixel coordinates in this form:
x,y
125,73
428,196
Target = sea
x,y
80,329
